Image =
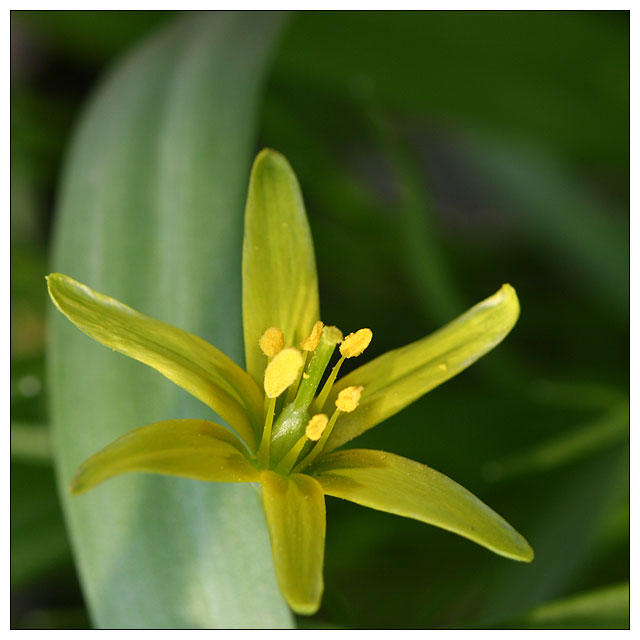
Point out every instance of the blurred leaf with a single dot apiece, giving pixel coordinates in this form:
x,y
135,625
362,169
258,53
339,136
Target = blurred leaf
x,y
587,238
30,442
38,537
561,77
610,428
585,395
605,608
90,35
564,511
420,246
150,212
59,618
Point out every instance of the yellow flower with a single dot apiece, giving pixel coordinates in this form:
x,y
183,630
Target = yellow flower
x,y
284,428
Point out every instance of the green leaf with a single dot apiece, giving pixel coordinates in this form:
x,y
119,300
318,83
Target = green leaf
x,y
399,377
279,279
189,361
296,515
150,210
387,482
188,448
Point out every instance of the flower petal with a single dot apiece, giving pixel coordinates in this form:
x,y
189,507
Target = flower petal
x,y
189,448
279,279
399,377
184,358
296,517
387,482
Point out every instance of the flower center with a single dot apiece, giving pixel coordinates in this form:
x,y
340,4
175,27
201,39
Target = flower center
x,y
296,430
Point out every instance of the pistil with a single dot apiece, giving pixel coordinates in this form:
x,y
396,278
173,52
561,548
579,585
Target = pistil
x,y
290,425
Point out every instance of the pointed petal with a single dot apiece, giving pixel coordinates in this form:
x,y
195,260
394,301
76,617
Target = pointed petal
x,y
399,377
296,517
184,358
189,448
279,279
387,482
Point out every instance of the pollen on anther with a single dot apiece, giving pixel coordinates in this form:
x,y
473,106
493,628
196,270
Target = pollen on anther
x,y
282,371
272,342
316,427
355,343
349,398
332,335
310,343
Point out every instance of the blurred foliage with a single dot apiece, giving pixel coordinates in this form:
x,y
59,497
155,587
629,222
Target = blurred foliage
x,y
440,154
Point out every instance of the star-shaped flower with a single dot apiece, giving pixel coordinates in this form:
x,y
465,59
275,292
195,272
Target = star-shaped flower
x,y
285,424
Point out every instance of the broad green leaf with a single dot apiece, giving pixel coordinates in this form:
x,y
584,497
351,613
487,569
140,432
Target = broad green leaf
x,y
387,482
150,210
279,279
296,515
189,361
399,377
188,448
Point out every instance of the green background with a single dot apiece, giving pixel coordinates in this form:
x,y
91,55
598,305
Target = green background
x,y
440,154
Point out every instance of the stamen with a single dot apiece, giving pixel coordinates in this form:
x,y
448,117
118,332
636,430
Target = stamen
x,y
282,371
265,442
272,342
319,446
349,398
347,401
310,343
332,334
355,343
318,403
293,389
316,426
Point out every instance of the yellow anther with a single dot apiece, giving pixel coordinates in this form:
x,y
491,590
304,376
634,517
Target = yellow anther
x,y
282,371
355,343
310,343
349,398
333,335
316,427
272,342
